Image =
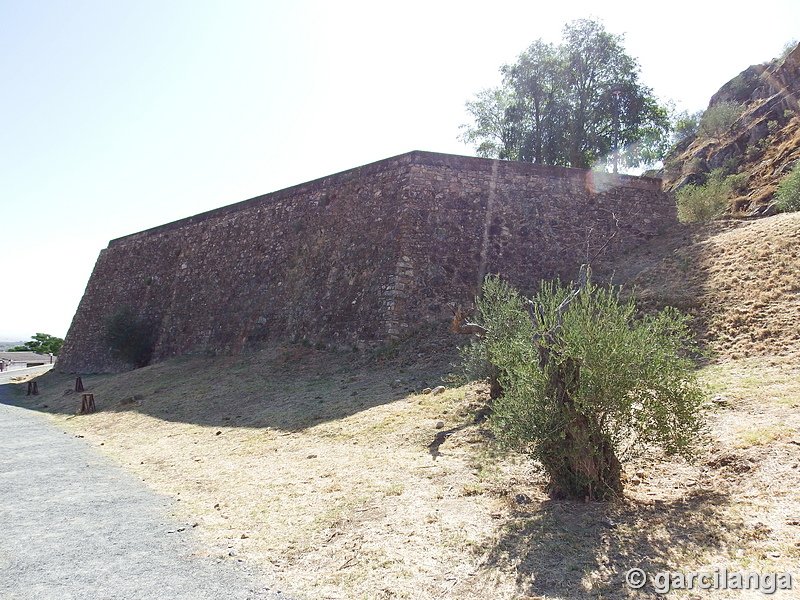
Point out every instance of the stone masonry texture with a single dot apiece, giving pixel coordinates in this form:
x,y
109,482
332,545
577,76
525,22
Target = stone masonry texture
x,y
359,257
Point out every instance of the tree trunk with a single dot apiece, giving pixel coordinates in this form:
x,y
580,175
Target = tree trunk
x,y
580,460
495,387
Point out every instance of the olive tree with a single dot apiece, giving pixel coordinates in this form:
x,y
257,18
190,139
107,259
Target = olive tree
x,y
587,382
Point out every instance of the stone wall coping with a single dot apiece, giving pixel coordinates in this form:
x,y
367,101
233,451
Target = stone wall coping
x,y
415,157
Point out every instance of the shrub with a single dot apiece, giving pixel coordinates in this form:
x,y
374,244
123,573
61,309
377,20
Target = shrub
x,y
704,202
128,337
587,383
685,125
787,196
787,49
719,118
737,183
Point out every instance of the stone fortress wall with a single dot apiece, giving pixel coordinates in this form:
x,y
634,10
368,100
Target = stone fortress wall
x,y
358,257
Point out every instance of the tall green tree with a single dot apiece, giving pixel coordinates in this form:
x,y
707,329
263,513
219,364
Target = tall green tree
x,y
489,136
571,104
536,114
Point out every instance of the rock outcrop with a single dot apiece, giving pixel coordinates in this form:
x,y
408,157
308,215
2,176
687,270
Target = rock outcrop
x,y
763,143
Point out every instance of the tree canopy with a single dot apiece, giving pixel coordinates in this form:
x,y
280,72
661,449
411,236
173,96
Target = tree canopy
x,y
42,343
570,104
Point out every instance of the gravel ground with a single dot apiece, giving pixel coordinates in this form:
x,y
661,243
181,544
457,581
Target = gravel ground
x,y
77,527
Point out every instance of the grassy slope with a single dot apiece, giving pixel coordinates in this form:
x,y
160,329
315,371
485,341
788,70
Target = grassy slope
x,y
327,470
739,279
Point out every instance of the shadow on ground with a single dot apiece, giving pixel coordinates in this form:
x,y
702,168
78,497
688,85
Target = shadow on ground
x,y
575,550
288,387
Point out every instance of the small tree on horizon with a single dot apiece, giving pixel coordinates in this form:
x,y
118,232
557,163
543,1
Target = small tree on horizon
x,y
588,383
42,343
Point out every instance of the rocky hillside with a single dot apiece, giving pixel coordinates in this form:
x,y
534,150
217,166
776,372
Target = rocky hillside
x,y
764,142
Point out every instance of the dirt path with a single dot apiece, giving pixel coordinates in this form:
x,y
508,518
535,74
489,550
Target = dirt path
x,y
76,526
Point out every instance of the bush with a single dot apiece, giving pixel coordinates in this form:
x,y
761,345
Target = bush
x,y
787,49
718,119
737,183
587,382
787,196
707,201
685,125
129,338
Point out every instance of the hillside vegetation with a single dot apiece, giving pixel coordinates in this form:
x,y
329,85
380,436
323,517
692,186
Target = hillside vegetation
x,y
760,145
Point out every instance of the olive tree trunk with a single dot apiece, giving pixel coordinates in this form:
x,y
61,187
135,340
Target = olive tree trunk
x,y
580,460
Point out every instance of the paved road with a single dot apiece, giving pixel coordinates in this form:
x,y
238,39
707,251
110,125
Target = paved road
x,y
74,526
7,376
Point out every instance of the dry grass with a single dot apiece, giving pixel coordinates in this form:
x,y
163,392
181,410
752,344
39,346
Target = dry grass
x,y
343,484
328,477
738,278
341,479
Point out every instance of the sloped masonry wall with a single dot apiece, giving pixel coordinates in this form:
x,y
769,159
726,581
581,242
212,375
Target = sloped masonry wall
x,y
357,257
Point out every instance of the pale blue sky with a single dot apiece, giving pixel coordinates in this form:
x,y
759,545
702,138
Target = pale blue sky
x,y
120,115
